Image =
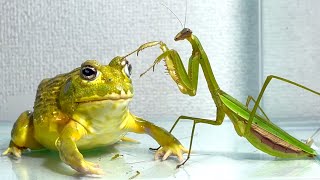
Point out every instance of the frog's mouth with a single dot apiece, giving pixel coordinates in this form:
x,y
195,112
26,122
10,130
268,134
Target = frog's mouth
x,y
109,97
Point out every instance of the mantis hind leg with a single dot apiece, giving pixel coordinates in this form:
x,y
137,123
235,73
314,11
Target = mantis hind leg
x,y
310,140
265,84
250,98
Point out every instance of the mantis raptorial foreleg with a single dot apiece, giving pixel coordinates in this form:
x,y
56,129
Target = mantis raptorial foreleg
x,y
187,82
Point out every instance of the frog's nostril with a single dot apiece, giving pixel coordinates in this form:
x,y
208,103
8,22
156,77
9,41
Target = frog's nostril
x,y
107,79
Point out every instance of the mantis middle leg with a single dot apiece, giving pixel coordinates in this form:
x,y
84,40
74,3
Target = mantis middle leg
x,y
250,98
195,120
187,82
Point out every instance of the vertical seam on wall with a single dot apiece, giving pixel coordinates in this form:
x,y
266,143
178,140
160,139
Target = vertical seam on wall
x,y
260,49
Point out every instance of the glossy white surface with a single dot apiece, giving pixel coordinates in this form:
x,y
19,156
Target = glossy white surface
x,y
217,153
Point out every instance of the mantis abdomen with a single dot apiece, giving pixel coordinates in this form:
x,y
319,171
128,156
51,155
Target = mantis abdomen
x,y
263,134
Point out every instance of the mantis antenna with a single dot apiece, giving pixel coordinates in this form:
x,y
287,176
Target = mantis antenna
x,y
182,25
172,13
185,15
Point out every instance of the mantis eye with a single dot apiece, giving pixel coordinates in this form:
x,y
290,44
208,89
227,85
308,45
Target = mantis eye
x,y
88,73
128,69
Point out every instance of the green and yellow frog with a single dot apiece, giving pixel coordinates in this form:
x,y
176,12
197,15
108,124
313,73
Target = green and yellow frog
x,y
84,109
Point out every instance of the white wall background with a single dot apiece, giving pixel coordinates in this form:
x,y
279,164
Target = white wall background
x,y
39,39
291,49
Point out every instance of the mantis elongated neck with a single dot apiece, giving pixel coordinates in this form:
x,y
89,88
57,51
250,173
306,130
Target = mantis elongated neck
x,y
205,65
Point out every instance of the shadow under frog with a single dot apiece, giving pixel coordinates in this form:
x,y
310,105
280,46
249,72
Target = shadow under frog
x,y
35,163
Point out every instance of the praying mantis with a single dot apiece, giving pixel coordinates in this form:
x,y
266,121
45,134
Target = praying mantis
x,y
257,129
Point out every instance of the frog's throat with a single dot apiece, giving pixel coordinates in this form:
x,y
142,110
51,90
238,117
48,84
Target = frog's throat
x,y
112,96
102,116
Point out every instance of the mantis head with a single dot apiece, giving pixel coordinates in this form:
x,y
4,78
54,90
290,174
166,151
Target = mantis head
x,y
184,34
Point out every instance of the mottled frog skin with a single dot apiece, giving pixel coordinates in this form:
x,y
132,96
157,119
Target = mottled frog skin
x,y
84,109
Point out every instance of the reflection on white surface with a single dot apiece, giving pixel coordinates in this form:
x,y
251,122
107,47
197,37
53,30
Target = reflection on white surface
x,y
217,153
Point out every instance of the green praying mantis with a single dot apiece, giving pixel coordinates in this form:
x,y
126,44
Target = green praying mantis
x,y
257,129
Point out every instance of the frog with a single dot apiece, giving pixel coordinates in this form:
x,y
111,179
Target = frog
x,y
85,109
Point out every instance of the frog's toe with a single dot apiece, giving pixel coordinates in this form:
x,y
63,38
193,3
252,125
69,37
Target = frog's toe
x,y
127,139
94,165
180,157
175,150
158,154
89,168
169,152
6,152
166,155
14,151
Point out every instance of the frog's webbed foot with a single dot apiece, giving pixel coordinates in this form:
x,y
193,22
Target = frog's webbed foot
x,y
127,139
13,150
75,160
175,150
87,167
68,150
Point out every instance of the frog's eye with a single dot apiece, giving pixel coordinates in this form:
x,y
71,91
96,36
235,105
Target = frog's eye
x,y
127,69
88,73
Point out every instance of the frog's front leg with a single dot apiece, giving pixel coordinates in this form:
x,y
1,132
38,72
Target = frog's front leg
x,y
22,136
169,144
69,153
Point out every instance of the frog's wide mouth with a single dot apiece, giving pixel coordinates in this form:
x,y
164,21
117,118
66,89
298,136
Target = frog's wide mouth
x,y
111,97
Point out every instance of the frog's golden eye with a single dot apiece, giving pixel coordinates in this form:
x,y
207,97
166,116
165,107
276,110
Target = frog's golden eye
x,y
128,69
88,73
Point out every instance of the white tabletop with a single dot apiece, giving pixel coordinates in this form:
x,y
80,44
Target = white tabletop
x,y
217,153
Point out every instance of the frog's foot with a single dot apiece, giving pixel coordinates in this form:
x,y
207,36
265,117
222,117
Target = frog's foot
x,y
127,139
13,150
77,162
166,151
87,167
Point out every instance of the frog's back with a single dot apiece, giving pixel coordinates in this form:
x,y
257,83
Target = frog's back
x,y
47,116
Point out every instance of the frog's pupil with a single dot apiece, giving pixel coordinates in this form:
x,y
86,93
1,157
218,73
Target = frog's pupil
x,y
88,73
130,68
